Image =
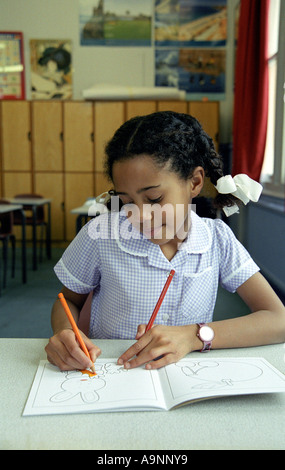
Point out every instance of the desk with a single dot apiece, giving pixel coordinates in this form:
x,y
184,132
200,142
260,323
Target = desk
x,y
4,208
34,203
87,210
244,422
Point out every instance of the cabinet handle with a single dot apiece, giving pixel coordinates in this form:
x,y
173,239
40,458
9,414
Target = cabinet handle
x,y
92,136
61,136
29,136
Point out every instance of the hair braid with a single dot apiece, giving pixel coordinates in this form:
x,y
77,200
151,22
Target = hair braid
x,y
214,170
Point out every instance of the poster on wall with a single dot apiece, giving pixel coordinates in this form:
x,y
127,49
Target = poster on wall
x,y
194,70
190,39
115,22
190,22
12,78
51,69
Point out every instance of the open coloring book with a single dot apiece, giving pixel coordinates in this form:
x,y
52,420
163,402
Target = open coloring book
x,y
117,389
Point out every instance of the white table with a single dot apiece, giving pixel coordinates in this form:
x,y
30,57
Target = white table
x,y
87,210
82,216
244,422
4,208
34,203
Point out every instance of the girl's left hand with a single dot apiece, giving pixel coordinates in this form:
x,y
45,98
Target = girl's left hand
x,y
159,346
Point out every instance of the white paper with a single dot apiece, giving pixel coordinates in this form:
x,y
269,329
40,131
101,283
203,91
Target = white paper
x,y
117,389
112,389
197,379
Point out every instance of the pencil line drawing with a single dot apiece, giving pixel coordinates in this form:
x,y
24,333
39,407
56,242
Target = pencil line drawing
x,y
211,374
84,384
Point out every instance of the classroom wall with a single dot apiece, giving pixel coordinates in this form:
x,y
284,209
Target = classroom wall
x,y
133,66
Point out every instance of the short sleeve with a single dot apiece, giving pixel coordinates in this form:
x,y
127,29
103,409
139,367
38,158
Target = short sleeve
x,y
236,264
79,267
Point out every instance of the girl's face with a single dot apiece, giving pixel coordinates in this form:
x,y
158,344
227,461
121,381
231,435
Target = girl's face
x,y
157,201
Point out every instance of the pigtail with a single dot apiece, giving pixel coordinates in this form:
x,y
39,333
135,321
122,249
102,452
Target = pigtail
x,y
214,170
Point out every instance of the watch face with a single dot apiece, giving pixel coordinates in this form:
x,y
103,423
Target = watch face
x,y
206,333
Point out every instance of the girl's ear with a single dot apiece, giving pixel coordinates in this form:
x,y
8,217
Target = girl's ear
x,y
197,181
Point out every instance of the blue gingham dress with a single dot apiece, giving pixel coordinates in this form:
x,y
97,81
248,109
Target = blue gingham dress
x,y
127,272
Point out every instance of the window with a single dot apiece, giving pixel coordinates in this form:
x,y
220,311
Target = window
x,y
273,171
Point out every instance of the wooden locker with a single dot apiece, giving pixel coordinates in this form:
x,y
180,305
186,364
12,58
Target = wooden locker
x,y
177,106
78,136
17,183
47,135
16,135
108,117
139,108
208,116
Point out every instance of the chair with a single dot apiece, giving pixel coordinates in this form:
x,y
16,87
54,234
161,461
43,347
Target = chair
x,y
6,235
40,217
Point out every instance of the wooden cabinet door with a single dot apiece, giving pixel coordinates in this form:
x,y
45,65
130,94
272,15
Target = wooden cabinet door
x,y
78,136
15,182
177,106
47,136
139,108
108,117
16,143
208,116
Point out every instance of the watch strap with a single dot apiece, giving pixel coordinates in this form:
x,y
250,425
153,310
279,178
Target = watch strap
x,y
206,344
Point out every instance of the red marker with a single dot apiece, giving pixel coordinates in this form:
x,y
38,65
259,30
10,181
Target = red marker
x,y
160,300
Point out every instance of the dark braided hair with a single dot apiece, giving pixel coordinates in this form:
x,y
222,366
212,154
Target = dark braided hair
x,y
170,138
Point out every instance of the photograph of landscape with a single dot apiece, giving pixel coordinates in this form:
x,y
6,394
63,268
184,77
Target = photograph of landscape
x,y
115,22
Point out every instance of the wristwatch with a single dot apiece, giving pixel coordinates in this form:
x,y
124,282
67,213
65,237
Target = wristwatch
x,y
206,335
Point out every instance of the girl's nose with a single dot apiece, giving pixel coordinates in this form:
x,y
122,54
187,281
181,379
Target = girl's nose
x,y
145,213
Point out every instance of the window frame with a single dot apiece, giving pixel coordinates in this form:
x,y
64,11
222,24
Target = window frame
x,y
276,185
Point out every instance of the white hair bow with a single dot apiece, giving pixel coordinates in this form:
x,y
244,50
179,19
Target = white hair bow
x,y
240,186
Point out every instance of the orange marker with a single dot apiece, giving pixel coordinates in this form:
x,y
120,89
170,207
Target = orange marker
x,y
75,329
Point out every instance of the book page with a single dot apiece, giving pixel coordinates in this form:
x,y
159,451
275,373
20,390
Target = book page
x,y
196,379
112,389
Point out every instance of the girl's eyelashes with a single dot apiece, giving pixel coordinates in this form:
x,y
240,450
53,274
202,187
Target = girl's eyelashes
x,y
149,200
156,200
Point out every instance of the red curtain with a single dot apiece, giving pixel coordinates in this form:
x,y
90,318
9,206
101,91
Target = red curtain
x,y
251,89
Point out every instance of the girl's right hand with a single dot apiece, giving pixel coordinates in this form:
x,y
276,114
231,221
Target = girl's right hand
x,y
64,351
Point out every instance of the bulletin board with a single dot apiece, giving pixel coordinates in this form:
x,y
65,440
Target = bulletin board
x,y
12,78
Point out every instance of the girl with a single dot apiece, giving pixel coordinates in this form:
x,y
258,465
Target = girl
x,y
157,164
